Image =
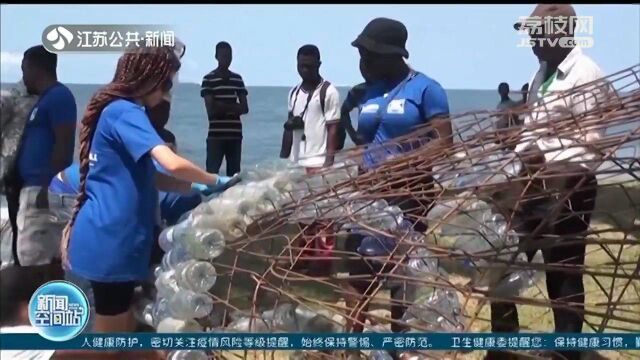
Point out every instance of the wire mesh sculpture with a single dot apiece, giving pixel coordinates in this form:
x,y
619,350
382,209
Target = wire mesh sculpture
x,y
431,237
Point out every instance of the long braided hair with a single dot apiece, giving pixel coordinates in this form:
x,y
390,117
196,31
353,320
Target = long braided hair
x,y
140,71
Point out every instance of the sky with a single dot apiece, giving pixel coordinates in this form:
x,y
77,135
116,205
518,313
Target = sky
x,y
461,46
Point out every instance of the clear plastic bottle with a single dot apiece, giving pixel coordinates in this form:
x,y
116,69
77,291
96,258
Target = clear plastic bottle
x,y
187,355
422,262
439,312
173,257
172,325
187,304
206,244
283,318
520,280
248,324
155,312
166,285
379,355
199,276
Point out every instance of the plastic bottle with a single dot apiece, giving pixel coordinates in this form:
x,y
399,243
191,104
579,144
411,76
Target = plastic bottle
x,y
187,355
379,355
520,280
187,304
155,312
422,262
248,324
172,325
166,285
206,244
173,257
199,276
194,236
439,312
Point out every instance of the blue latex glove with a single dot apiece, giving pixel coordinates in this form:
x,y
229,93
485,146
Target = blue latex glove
x,y
203,189
225,182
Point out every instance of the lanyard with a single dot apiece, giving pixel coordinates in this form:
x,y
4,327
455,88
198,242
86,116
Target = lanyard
x,y
547,83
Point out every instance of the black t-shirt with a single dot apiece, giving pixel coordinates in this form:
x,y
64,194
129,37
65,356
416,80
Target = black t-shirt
x,y
224,87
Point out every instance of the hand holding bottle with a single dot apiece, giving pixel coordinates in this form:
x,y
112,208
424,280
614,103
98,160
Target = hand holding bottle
x,y
224,182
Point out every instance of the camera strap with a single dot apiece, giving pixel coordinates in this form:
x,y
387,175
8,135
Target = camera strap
x,y
306,106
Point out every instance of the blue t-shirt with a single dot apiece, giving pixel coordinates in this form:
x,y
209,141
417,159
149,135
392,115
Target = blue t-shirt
x,y
71,183
56,106
381,119
113,234
173,205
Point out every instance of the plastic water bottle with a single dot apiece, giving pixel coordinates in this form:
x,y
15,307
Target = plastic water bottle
x,y
173,257
440,311
520,280
172,325
379,355
199,276
248,324
155,312
187,355
201,243
187,304
166,284
206,244
422,262
283,318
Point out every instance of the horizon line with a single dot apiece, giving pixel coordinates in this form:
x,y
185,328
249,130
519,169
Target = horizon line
x,y
197,84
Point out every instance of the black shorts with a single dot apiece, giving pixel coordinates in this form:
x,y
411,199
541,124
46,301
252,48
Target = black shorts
x,y
112,298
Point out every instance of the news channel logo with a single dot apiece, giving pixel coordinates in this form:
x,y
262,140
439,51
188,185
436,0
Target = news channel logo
x,y
61,38
567,31
59,310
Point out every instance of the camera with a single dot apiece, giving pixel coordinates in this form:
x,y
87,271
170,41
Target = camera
x,y
294,123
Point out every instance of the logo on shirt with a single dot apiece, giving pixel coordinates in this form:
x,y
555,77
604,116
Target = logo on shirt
x,y
396,107
370,108
59,310
93,158
34,112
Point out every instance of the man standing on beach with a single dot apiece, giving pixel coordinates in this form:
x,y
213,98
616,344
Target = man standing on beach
x,y
562,68
46,149
506,103
310,139
225,98
314,115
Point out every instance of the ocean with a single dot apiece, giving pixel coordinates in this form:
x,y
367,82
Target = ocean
x,y
263,125
268,110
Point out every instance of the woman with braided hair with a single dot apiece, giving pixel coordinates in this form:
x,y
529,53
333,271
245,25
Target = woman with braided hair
x,y
109,238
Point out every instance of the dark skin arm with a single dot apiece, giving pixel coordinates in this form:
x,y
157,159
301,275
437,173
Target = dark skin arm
x,y
215,107
345,121
443,131
221,107
62,154
332,142
61,157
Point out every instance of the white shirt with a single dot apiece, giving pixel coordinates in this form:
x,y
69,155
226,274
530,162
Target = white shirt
x,y
312,152
23,354
576,69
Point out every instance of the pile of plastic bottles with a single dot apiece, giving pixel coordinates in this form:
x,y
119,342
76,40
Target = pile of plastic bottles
x,y
186,274
483,244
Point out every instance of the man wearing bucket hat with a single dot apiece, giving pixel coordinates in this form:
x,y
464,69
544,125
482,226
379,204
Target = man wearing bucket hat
x,y
563,66
397,100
